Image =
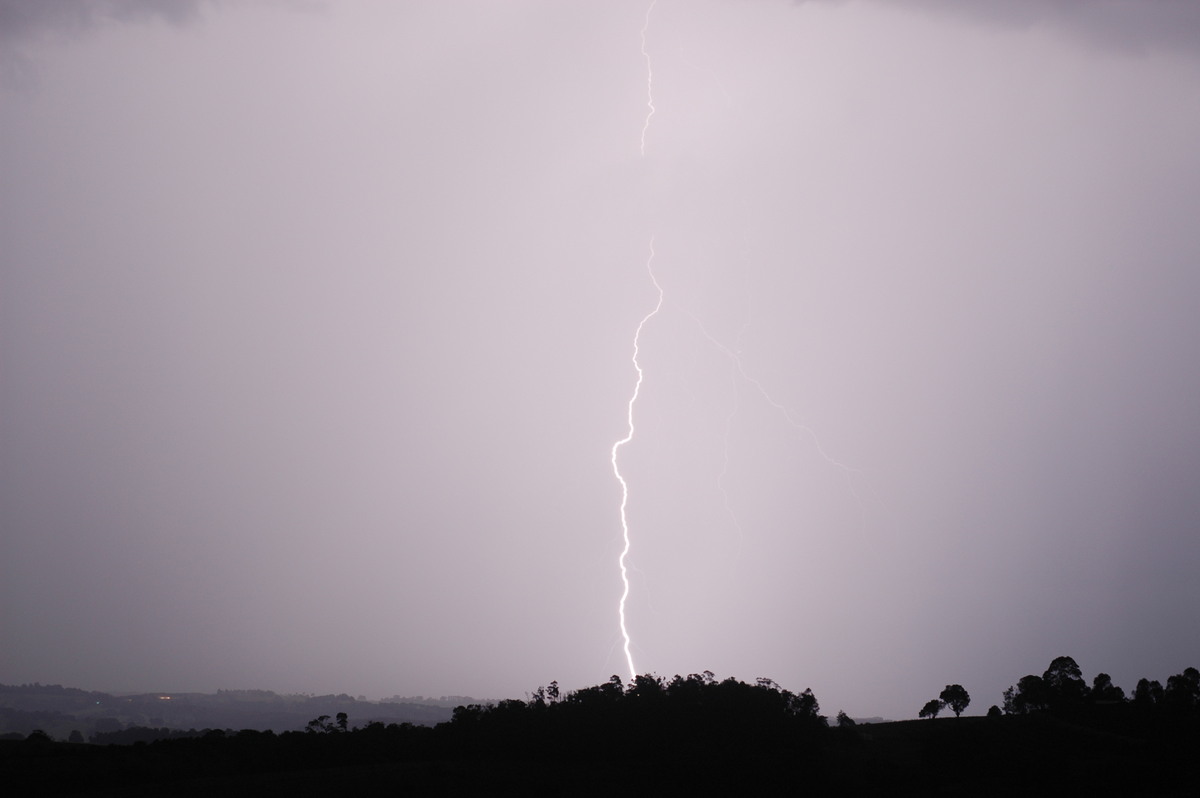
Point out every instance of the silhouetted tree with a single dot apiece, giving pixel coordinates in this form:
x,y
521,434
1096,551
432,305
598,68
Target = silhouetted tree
x,y
544,696
646,687
994,712
1147,693
1104,690
804,704
1064,683
955,697
1029,695
1183,690
1010,701
931,709
845,721
608,693
323,725
76,736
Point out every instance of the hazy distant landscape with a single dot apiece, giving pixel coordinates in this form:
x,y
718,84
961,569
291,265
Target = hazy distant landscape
x,y
59,710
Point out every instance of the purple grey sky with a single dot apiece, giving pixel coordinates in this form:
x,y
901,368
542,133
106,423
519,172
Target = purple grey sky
x,y
316,323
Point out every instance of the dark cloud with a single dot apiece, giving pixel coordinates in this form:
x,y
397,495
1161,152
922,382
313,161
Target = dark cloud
x,y
22,18
1134,26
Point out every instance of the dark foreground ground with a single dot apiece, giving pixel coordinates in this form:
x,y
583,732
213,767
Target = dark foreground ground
x,y
1012,755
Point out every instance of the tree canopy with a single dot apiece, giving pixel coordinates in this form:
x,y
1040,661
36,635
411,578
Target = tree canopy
x,y
931,709
955,697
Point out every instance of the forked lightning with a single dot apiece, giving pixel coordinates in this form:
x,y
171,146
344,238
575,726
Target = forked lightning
x,y
637,387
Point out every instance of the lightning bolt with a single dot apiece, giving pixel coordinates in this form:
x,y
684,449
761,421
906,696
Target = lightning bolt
x,y
738,375
649,78
637,387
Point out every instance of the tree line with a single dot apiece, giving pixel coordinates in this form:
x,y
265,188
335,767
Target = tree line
x,y
1062,689
1055,731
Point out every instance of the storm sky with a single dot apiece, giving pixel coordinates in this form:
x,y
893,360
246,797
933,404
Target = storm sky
x,y
316,327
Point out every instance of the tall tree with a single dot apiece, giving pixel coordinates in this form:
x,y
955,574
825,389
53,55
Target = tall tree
x,y
1028,695
1064,682
1147,693
955,697
1104,690
1183,689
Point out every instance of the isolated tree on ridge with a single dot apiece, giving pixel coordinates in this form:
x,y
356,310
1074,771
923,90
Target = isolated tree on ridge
x,y
955,697
931,709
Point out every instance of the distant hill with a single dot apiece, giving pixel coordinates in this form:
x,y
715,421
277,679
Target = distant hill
x,y
59,710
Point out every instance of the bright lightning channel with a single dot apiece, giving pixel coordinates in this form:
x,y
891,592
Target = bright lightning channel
x,y
738,370
637,367
637,387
